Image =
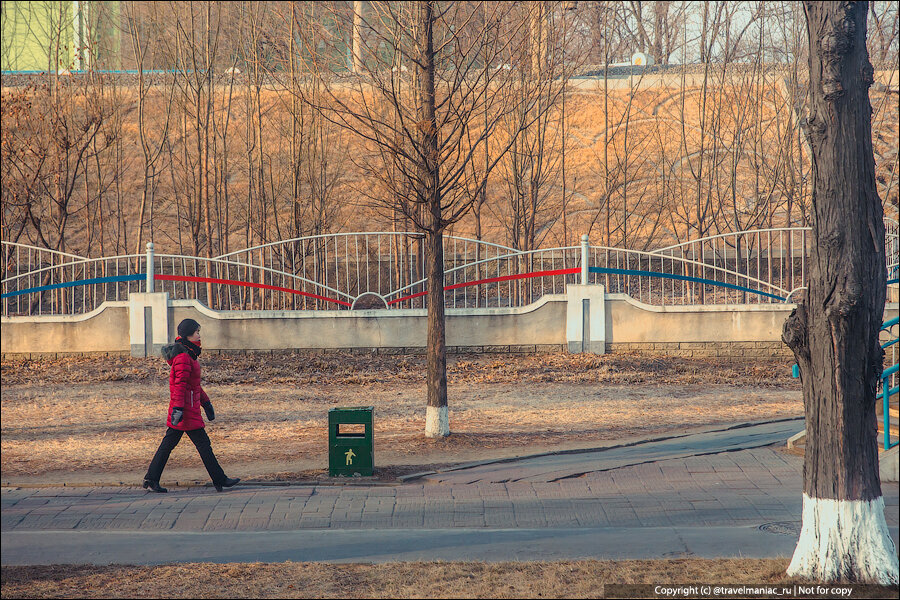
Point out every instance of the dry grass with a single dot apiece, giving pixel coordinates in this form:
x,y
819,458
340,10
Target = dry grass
x,y
581,579
566,579
654,137
349,368
76,418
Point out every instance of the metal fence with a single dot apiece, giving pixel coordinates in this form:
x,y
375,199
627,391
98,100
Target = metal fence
x,y
387,270
48,282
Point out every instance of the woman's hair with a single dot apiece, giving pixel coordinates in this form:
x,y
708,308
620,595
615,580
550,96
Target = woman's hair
x,y
187,328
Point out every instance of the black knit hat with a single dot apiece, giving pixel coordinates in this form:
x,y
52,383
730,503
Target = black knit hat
x,y
187,328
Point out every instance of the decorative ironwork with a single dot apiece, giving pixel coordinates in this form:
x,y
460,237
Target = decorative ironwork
x,y
334,271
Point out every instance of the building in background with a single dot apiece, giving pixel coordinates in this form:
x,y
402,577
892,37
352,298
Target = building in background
x,y
53,36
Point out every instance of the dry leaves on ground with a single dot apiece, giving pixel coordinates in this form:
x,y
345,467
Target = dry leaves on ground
x,y
78,416
565,579
362,369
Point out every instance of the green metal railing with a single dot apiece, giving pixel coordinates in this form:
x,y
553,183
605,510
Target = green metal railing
x,y
885,395
886,390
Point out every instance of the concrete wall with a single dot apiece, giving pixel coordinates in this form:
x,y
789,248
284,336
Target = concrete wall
x,y
630,321
737,331
103,330
541,323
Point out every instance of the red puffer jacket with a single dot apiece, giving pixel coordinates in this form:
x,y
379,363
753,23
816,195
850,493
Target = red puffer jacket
x,y
184,388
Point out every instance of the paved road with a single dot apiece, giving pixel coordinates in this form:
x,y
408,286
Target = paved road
x,y
671,503
391,545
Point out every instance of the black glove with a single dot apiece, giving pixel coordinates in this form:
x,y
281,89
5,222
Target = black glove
x,y
208,409
177,413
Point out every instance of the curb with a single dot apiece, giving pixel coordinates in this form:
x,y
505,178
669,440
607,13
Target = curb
x,y
200,484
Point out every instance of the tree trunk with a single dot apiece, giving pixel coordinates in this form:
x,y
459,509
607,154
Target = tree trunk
x,y
537,38
437,420
834,330
437,423
357,37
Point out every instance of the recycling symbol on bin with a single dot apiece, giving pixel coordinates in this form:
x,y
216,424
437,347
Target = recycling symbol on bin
x,y
349,454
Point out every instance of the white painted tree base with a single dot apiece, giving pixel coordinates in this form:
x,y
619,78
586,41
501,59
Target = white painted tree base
x,y
845,539
437,421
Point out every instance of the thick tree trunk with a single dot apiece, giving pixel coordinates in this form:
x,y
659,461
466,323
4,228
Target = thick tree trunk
x,y
834,330
437,423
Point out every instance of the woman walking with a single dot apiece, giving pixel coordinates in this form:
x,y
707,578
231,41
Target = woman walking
x,y
186,398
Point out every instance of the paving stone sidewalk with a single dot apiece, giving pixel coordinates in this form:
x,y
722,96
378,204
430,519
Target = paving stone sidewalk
x,y
697,495
747,487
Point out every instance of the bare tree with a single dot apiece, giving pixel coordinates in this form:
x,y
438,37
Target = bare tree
x,y
151,150
884,27
788,45
607,45
532,168
425,106
833,332
51,132
656,32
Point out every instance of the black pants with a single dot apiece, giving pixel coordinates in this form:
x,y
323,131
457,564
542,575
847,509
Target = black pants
x,y
204,447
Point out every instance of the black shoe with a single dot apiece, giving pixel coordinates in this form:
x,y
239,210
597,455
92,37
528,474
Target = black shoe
x,y
229,482
154,486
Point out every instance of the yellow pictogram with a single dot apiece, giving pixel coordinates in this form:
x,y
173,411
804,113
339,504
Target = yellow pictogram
x,y
349,454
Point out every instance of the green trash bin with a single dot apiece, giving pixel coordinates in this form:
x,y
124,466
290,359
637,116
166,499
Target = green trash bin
x,y
351,448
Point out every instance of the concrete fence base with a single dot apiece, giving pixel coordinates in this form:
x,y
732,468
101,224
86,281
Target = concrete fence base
x,y
735,351
585,319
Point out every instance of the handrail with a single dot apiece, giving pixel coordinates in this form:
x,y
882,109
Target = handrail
x,y
886,392
38,248
651,254
449,237
262,268
735,233
885,327
513,254
367,233
76,283
684,278
73,263
461,258
655,254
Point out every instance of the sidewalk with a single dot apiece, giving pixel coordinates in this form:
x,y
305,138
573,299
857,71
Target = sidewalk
x,y
734,503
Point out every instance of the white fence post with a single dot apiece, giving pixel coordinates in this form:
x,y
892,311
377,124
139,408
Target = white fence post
x,y
584,259
149,289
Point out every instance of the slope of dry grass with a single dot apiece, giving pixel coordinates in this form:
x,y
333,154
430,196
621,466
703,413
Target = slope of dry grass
x,y
663,130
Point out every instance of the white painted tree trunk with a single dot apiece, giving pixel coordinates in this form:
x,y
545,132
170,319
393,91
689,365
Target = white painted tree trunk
x,y
842,538
437,421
